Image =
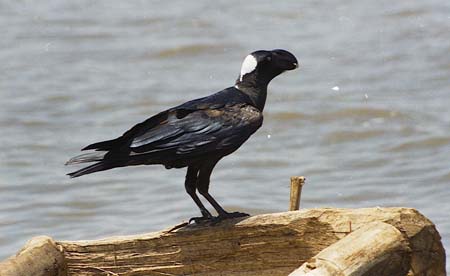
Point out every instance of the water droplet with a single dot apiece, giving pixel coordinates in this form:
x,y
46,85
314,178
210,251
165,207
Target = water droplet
x,y
47,46
268,136
366,96
336,88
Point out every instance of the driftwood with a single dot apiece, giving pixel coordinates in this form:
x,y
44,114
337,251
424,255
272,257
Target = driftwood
x,y
377,248
39,257
271,244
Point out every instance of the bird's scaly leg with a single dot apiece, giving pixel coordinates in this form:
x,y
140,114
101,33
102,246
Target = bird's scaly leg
x,y
222,213
190,185
203,187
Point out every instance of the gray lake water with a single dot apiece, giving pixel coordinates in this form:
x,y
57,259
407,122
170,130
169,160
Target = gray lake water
x,y
77,72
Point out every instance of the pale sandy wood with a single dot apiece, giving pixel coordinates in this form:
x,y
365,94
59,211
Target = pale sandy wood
x,y
39,257
377,248
271,244
297,183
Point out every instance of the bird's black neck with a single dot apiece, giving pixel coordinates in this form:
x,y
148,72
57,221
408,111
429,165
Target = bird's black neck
x,y
257,94
255,84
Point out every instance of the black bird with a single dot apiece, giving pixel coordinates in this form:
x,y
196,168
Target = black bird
x,y
198,133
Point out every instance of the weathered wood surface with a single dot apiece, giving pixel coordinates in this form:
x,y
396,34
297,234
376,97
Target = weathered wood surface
x,y
272,244
297,183
39,257
377,248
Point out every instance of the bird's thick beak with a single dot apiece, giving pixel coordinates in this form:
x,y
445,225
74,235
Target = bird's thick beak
x,y
285,60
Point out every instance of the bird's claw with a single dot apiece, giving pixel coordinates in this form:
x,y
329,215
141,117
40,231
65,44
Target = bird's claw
x,y
214,220
206,216
224,216
235,215
199,220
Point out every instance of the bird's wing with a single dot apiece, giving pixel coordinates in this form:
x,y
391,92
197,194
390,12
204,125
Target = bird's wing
x,y
198,132
225,98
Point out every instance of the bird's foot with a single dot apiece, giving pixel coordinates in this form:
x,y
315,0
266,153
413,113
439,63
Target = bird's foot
x,y
224,216
206,216
199,220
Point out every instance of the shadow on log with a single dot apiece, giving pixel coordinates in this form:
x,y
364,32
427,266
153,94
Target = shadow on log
x,y
271,244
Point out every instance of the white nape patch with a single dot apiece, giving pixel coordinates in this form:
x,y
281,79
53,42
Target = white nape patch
x,y
248,66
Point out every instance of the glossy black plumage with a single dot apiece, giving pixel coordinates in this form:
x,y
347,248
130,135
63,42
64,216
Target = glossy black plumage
x,y
198,133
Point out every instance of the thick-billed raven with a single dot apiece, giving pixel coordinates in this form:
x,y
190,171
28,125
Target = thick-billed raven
x,y
198,133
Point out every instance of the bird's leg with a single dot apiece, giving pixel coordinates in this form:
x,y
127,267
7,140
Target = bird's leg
x,y
203,187
222,213
190,185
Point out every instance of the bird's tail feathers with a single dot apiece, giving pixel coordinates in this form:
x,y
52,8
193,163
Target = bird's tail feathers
x,y
103,145
100,166
86,157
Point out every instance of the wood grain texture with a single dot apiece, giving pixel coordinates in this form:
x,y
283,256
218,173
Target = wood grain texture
x,y
377,248
271,244
297,183
39,257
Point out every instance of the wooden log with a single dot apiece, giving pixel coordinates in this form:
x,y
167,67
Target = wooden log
x,y
377,248
39,257
271,244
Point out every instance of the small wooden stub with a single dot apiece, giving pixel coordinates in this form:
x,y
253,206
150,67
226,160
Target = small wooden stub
x,y
297,183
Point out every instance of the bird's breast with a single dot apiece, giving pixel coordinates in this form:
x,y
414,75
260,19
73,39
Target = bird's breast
x,y
251,112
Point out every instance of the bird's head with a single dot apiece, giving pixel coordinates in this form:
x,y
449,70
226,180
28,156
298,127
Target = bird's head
x,y
260,67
